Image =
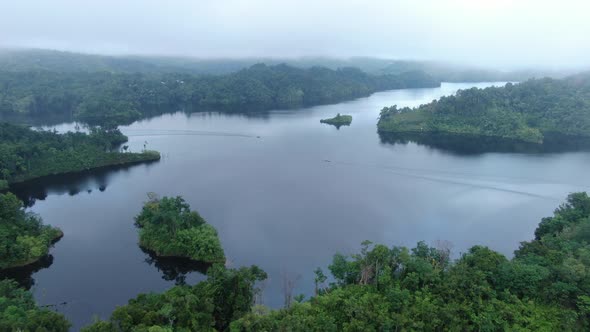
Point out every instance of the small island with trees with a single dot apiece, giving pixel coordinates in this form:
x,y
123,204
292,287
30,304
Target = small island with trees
x,y
339,120
168,228
24,239
536,111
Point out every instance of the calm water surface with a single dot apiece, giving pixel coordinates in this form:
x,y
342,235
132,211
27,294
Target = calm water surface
x,y
285,193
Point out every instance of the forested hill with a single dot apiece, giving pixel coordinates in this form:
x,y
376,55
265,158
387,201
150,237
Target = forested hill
x,y
531,111
102,98
52,60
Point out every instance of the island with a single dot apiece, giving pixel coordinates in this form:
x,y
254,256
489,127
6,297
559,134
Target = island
x,y
27,154
24,239
338,120
535,111
168,228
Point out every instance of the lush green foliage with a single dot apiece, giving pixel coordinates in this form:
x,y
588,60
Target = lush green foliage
x,y
225,296
527,111
544,288
338,120
109,99
23,237
18,312
168,227
26,154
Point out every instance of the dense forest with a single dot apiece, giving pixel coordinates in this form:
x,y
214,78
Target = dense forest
x,y
529,111
109,99
26,154
544,287
169,228
23,237
211,305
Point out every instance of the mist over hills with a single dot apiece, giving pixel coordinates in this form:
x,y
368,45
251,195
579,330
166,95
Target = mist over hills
x,y
62,61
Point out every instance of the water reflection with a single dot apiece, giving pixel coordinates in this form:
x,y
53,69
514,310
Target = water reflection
x,y
336,125
24,275
71,184
474,145
175,268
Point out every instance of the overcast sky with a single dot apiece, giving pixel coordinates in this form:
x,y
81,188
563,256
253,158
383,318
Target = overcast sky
x,y
503,33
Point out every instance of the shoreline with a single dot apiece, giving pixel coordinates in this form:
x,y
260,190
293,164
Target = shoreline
x,y
549,137
33,261
148,158
156,254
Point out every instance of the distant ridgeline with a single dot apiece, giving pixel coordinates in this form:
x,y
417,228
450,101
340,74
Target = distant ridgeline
x,y
22,60
534,111
110,99
26,154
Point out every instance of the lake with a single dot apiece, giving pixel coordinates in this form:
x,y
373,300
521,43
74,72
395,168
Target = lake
x,y
285,193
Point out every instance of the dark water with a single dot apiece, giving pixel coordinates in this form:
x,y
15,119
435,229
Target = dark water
x,y
286,192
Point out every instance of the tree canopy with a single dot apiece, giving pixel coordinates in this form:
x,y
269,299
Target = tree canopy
x,y
26,154
531,111
211,305
110,99
169,228
18,312
23,237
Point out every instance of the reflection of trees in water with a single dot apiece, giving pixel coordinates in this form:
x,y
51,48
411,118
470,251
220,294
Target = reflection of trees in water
x,y
471,145
72,184
175,268
24,275
337,125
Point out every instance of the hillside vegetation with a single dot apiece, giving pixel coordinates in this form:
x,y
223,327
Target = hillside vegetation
x,y
529,111
110,99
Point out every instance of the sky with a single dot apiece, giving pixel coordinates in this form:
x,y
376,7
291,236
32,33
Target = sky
x,y
500,33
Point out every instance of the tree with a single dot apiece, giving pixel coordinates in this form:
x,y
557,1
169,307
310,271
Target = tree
x,y
319,280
